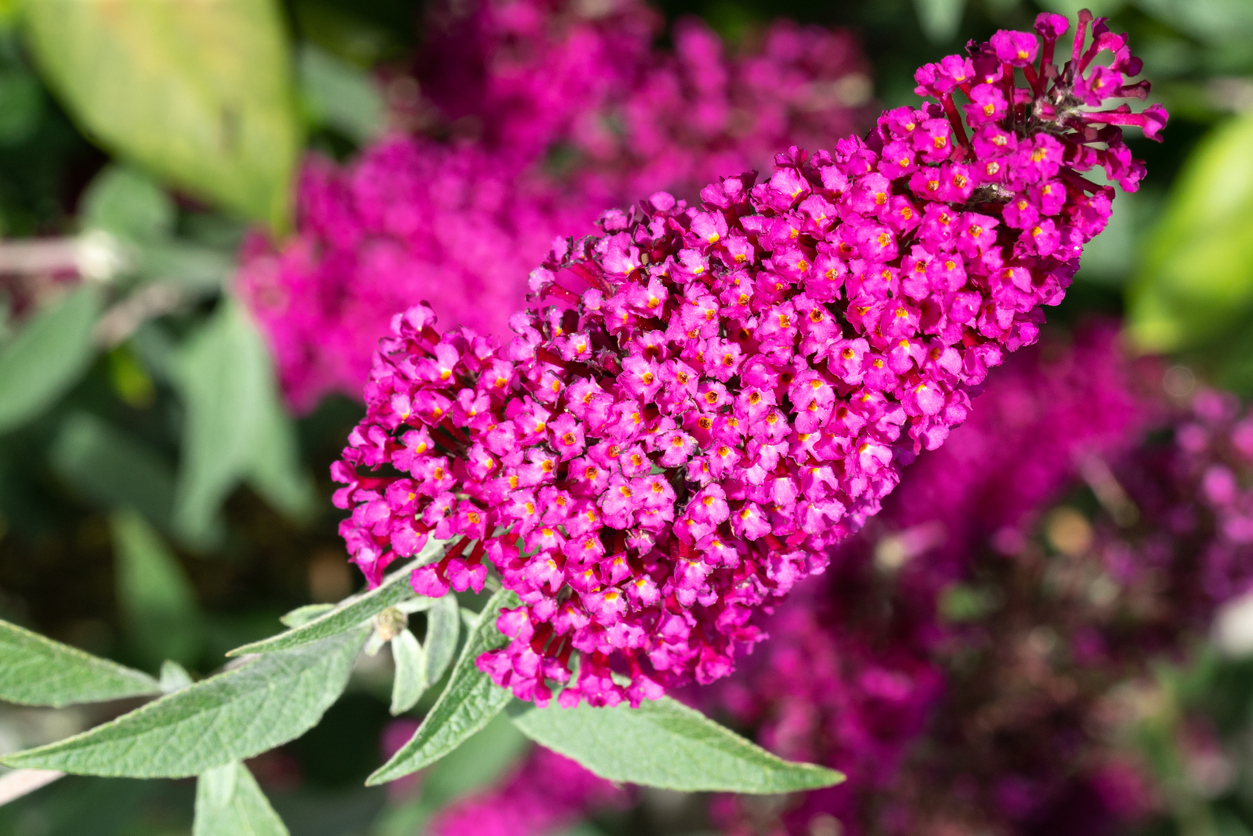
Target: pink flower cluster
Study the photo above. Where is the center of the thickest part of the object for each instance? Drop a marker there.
(546, 794)
(656, 457)
(413, 218)
(459, 212)
(1195, 497)
(851, 674)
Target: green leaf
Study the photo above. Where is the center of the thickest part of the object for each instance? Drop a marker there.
(340, 95)
(174, 677)
(663, 743)
(193, 269)
(352, 611)
(275, 470)
(410, 678)
(128, 204)
(477, 763)
(1210, 21)
(1194, 287)
(940, 19)
(21, 106)
(443, 625)
(481, 761)
(235, 428)
(47, 357)
(467, 704)
(229, 803)
(303, 615)
(231, 716)
(38, 671)
(199, 93)
(157, 602)
(111, 468)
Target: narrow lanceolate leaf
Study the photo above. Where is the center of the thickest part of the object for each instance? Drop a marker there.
(352, 612)
(665, 744)
(228, 717)
(47, 357)
(39, 671)
(468, 704)
(443, 625)
(229, 803)
(214, 76)
(410, 678)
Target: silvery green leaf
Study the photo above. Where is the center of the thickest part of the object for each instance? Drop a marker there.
(155, 596)
(351, 612)
(418, 603)
(231, 716)
(125, 202)
(303, 615)
(47, 356)
(410, 678)
(443, 623)
(665, 744)
(38, 671)
(110, 468)
(235, 427)
(174, 677)
(468, 703)
(229, 803)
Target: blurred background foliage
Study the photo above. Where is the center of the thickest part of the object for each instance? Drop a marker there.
(158, 502)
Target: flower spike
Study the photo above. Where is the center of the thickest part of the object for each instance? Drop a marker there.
(702, 399)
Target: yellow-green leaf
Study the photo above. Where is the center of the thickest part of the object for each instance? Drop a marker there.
(1195, 283)
(199, 93)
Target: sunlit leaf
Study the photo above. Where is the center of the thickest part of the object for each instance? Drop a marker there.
(199, 93)
(1194, 286)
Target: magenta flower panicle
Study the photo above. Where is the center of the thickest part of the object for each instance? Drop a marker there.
(703, 399)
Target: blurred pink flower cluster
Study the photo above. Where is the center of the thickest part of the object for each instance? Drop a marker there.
(545, 794)
(854, 669)
(535, 117)
(1096, 525)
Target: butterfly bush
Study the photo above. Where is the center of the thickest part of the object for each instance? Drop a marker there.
(459, 211)
(713, 395)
